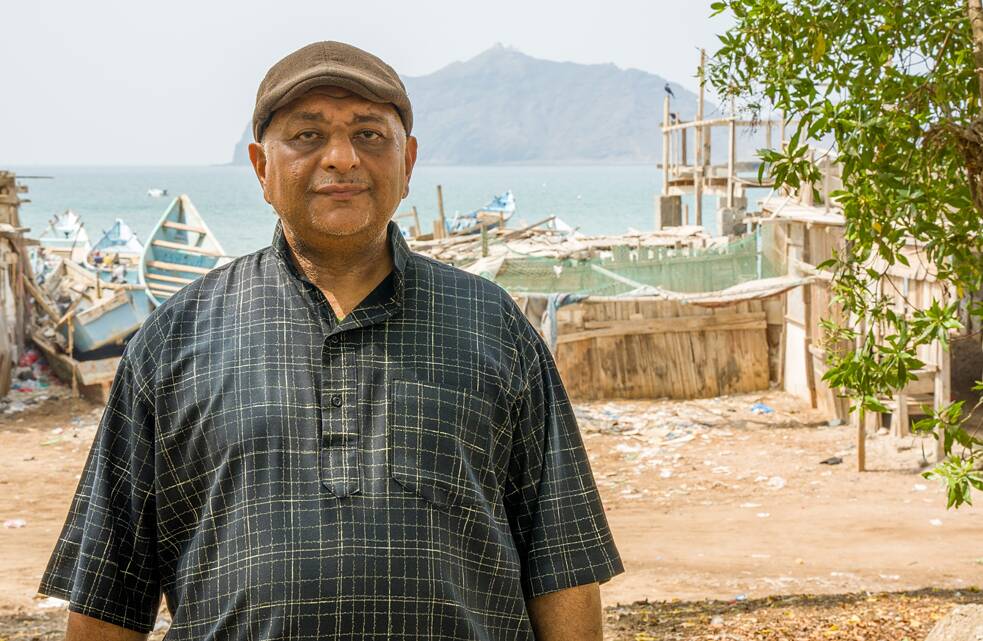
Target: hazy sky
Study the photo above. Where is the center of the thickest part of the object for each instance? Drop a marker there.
(173, 83)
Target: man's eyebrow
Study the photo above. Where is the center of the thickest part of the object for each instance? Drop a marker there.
(362, 119)
(307, 115)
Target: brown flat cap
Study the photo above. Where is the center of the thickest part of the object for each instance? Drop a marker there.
(333, 64)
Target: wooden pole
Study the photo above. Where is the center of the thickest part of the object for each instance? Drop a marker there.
(440, 212)
(665, 146)
(484, 240)
(827, 180)
(942, 388)
(701, 149)
(71, 356)
(683, 160)
(731, 154)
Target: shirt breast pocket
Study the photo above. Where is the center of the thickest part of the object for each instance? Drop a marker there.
(439, 443)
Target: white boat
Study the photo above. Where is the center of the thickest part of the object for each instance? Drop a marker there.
(65, 237)
(119, 241)
(492, 215)
(181, 249)
(155, 192)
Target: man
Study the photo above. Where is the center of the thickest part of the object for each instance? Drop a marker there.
(335, 438)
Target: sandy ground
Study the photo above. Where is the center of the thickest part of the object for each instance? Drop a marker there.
(711, 504)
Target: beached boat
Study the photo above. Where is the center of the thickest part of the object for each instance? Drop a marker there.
(494, 214)
(119, 245)
(116, 256)
(181, 249)
(93, 314)
(65, 237)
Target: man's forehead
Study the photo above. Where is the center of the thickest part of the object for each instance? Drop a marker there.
(317, 98)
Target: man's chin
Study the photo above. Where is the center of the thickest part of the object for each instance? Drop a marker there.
(341, 223)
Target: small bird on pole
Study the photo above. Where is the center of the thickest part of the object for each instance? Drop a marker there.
(669, 91)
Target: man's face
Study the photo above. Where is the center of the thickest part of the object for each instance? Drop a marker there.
(333, 164)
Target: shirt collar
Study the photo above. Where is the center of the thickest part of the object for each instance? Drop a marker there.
(401, 254)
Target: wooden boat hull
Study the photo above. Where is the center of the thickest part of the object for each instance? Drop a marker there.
(110, 323)
(180, 250)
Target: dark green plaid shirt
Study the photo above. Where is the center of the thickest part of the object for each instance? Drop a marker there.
(413, 471)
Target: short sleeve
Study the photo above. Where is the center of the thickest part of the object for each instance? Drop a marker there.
(553, 506)
(104, 563)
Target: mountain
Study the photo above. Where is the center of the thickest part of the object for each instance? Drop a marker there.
(503, 106)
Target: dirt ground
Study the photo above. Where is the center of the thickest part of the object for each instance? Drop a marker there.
(729, 524)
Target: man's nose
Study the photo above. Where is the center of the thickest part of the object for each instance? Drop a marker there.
(339, 155)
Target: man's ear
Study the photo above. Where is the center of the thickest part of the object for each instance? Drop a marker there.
(257, 156)
(410, 161)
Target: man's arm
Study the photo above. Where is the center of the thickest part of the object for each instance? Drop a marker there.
(573, 614)
(83, 628)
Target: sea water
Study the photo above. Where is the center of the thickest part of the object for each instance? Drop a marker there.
(596, 199)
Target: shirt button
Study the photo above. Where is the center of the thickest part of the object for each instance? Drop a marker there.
(336, 401)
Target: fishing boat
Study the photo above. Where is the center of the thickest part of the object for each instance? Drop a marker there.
(65, 237)
(181, 249)
(494, 214)
(119, 247)
(91, 314)
(155, 192)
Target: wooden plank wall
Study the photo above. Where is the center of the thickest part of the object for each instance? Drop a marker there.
(823, 241)
(637, 349)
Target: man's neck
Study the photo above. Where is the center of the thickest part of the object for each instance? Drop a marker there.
(345, 272)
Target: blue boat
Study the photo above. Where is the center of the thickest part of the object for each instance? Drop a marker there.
(116, 256)
(492, 215)
(181, 249)
(98, 314)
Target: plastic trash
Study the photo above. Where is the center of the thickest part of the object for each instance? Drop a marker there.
(52, 603)
(761, 408)
(776, 483)
(833, 460)
(14, 524)
(28, 358)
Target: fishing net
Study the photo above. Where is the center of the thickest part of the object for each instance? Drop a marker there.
(688, 270)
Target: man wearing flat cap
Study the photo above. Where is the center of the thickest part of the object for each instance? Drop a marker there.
(334, 437)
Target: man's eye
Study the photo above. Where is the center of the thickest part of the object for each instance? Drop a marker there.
(307, 136)
(368, 134)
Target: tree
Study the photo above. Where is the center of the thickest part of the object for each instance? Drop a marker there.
(897, 86)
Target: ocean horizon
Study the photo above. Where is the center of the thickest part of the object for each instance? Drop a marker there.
(597, 199)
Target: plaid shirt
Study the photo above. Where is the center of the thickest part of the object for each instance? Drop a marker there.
(412, 471)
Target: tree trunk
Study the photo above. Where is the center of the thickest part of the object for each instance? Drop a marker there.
(975, 10)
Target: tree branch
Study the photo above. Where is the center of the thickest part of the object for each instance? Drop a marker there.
(975, 10)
